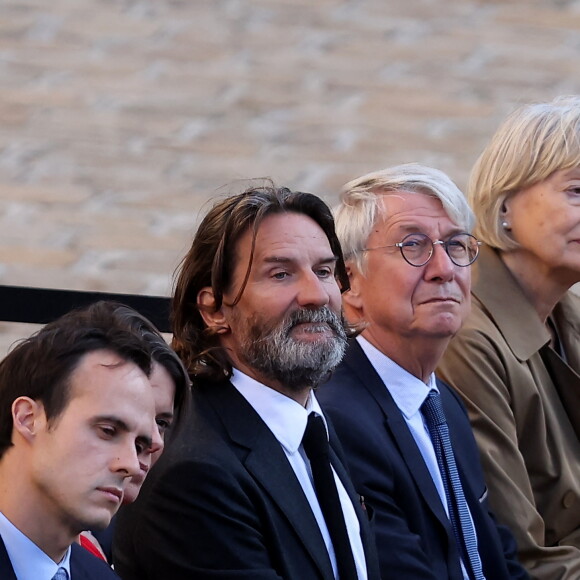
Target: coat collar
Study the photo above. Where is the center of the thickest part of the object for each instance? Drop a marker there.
(514, 315)
(506, 304)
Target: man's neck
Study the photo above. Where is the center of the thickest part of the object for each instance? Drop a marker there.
(419, 357)
(300, 395)
(21, 503)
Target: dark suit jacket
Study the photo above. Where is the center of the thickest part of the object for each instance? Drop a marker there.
(414, 536)
(224, 502)
(83, 565)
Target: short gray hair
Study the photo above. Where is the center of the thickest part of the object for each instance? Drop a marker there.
(534, 142)
(360, 203)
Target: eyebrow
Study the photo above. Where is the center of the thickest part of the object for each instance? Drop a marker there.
(572, 174)
(123, 426)
(286, 260)
(413, 229)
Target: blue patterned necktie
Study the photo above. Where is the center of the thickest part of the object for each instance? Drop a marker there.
(61, 574)
(432, 410)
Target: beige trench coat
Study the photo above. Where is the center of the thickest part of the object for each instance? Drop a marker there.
(526, 421)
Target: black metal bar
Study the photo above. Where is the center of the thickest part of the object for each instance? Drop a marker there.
(42, 305)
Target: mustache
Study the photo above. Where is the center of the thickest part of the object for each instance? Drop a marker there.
(320, 315)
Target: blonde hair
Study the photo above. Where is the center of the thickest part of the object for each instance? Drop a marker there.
(534, 142)
(360, 203)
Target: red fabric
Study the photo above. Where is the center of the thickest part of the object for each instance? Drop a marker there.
(88, 545)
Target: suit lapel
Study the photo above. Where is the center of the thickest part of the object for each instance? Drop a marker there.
(265, 459)
(78, 563)
(367, 539)
(344, 477)
(5, 564)
(370, 380)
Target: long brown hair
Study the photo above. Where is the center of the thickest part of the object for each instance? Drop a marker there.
(210, 262)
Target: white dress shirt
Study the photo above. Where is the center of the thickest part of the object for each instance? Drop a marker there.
(287, 420)
(28, 560)
(409, 393)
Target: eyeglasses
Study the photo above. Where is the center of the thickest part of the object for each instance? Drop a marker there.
(417, 249)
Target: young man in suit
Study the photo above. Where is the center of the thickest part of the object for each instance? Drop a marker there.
(76, 411)
(257, 321)
(408, 442)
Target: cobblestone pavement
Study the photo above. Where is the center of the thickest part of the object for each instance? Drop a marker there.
(120, 119)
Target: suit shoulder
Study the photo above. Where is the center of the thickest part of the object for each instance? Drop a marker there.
(449, 393)
(92, 567)
(342, 392)
(343, 380)
(455, 410)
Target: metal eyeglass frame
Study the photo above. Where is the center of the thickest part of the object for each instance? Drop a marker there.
(401, 245)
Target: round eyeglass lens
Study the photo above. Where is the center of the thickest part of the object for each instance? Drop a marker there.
(462, 249)
(416, 249)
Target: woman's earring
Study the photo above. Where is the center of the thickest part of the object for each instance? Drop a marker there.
(505, 226)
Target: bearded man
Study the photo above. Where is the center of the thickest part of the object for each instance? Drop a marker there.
(257, 321)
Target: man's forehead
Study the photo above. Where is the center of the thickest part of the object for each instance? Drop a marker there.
(406, 200)
(407, 208)
(100, 371)
(279, 235)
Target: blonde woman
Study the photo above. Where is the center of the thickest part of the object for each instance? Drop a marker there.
(516, 360)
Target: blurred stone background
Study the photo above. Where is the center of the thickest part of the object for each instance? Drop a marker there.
(120, 119)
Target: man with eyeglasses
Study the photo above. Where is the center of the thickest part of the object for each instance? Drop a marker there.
(408, 441)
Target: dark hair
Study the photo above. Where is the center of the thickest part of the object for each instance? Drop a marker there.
(161, 353)
(40, 366)
(210, 262)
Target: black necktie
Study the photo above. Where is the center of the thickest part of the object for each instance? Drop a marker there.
(432, 410)
(315, 443)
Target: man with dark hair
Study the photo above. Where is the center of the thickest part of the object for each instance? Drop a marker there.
(76, 410)
(171, 391)
(242, 493)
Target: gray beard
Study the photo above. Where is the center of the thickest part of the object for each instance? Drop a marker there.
(292, 363)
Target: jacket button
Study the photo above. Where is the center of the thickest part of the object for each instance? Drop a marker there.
(569, 499)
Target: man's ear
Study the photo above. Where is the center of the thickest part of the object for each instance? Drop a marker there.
(28, 417)
(213, 318)
(352, 297)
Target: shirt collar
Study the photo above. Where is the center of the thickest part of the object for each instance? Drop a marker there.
(27, 559)
(285, 417)
(408, 392)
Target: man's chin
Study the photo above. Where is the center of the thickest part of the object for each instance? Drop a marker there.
(98, 522)
(444, 329)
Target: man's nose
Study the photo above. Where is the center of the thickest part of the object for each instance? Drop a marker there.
(440, 266)
(127, 460)
(313, 291)
(157, 441)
